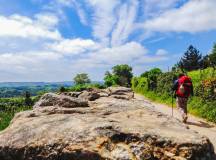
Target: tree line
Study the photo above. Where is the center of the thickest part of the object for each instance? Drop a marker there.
(122, 74)
(193, 60)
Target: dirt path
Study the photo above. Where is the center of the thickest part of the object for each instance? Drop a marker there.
(200, 125)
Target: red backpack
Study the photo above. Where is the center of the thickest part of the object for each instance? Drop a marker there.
(184, 87)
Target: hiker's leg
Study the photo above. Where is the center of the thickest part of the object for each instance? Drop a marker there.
(184, 105)
(180, 106)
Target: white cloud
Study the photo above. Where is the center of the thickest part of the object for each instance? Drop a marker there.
(109, 56)
(28, 57)
(35, 66)
(126, 53)
(47, 20)
(74, 5)
(20, 26)
(25, 63)
(65, 2)
(73, 46)
(125, 25)
(161, 52)
(103, 18)
(82, 15)
(194, 16)
(151, 59)
(152, 8)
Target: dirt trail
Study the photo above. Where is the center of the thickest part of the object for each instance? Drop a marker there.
(198, 124)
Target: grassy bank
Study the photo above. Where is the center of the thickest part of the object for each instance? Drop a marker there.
(203, 104)
(9, 107)
(7, 116)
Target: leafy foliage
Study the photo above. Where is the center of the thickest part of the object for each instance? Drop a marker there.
(152, 76)
(121, 75)
(28, 100)
(81, 78)
(152, 73)
(165, 82)
(62, 89)
(207, 89)
(10, 106)
(110, 79)
(81, 87)
(202, 104)
(212, 56)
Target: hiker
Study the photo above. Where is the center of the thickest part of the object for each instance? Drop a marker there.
(183, 88)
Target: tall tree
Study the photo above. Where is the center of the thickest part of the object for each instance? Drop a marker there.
(124, 73)
(121, 75)
(28, 100)
(62, 89)
(191, 60)
(81, 78)
(212, 56)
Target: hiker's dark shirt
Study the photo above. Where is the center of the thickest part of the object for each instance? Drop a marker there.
(175, 85)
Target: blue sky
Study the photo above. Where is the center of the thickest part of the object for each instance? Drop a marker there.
(53, 40)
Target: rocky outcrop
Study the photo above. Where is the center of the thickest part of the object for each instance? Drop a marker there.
(72, 94)
(90, 96)
(51, 99)
(120, 92)
(109, 129)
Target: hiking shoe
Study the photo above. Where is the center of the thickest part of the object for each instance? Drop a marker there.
(185, 119)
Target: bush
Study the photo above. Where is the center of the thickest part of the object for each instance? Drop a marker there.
(82, 78)
(121, 75)
(207, 89)
(82, 87)
(202, 104)
(110, 79)
(165, 82)
(152, 77)
(10, 106)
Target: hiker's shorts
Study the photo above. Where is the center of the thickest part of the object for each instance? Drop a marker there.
(182, 106)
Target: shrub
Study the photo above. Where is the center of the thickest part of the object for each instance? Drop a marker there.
(62, 89)
(81, 87)
(10, 106)
(202, 104)
(81, 78)
(207, 89)
(121, 75)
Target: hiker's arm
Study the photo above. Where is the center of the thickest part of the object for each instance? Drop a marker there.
(175, 86)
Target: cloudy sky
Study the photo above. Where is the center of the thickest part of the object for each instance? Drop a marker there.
(52, 40)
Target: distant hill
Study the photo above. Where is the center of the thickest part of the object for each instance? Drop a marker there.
(26, 84)
(14, 89)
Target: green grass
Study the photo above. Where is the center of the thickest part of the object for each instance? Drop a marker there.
(197, 105)
(7, 116)
(9, 107)
(81, 87)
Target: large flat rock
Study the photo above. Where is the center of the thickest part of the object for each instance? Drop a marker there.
(110, 128)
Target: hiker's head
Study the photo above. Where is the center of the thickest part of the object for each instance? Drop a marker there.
(181, 75)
